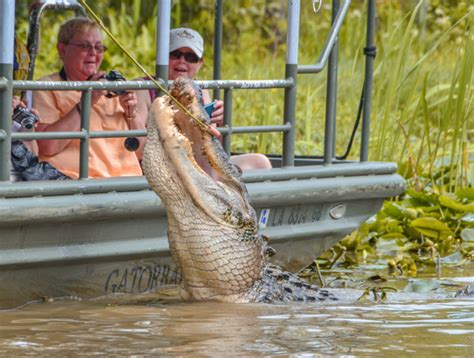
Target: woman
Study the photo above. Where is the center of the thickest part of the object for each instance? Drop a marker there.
(185, 60)
(81, 50)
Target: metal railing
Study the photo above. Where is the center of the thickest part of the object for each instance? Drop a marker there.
(288, 84)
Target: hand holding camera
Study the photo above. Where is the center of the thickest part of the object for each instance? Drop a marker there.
(26, 118)
(114, 75)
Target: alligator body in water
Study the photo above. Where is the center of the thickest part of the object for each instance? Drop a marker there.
(212, 228)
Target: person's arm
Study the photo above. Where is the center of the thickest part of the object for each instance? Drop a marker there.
(71, 121)
(143, 106)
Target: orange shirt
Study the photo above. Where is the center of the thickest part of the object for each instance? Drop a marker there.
(107, 156)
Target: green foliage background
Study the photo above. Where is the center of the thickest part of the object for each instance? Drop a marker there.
(422, 115)
(422, 100)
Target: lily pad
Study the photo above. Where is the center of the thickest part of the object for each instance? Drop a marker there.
(431, 227)
(468, 235)
(421, 198)
(394, 210)
(422, 285)
(455, 259)
(469, 217)
(465, 193)
(455, 205)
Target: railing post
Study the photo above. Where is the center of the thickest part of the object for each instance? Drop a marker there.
(331, 98)
(163, 20)
(369, 72)
(217, 45)
(7, 33)
(291, 70)
(85, 127)
(227, 119)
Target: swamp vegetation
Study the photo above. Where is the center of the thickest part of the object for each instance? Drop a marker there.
(422, 107)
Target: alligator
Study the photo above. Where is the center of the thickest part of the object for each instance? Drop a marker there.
(212, 228)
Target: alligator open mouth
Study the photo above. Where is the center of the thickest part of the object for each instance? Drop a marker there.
(212, 228)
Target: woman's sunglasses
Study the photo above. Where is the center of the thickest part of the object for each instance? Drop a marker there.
(190, 57)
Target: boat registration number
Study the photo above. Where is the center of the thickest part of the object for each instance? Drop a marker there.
(292, 215)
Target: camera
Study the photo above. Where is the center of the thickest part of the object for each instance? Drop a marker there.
(209, 108)
(25, 117)
(115, 76)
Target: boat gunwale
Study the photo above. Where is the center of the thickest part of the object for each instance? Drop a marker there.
(138, 183)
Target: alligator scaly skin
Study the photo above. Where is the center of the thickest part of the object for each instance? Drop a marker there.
(212, 228)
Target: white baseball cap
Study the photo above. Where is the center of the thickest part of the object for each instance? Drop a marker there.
(185, 37)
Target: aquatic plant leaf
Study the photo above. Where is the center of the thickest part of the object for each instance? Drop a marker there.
(455, 259)
(394, 210)
(427, 209)
(431, 227)
(453, 204)
(408, 170)
(420, 197)
(465, 193)
(392, 235)
(468, 235)
(469, 217)
(422, 285)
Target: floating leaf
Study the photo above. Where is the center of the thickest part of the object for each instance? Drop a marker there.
(465, 193)
(455, 259)
(468, 235)
(424, 198)
(422, 286)
(453, 204)
(427, 209)
(431, 227)
(392, 235)
(468, 218)
(394, 210)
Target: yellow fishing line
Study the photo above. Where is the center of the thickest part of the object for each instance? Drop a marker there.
(134, 60)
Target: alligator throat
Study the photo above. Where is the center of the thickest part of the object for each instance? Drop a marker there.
(212, 228)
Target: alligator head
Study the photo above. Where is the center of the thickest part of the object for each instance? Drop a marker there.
(212, 229)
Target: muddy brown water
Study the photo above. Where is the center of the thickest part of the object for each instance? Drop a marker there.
(427, 328)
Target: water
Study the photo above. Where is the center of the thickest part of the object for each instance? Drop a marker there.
(73, 328)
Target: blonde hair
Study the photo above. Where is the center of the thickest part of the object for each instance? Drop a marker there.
(73, 26)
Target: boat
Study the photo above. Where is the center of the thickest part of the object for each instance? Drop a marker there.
(92, 237)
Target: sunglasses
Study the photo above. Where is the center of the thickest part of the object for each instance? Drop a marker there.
(190, 57)
(88, 47)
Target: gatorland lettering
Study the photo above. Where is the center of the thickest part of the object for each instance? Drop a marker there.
(140, 279)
